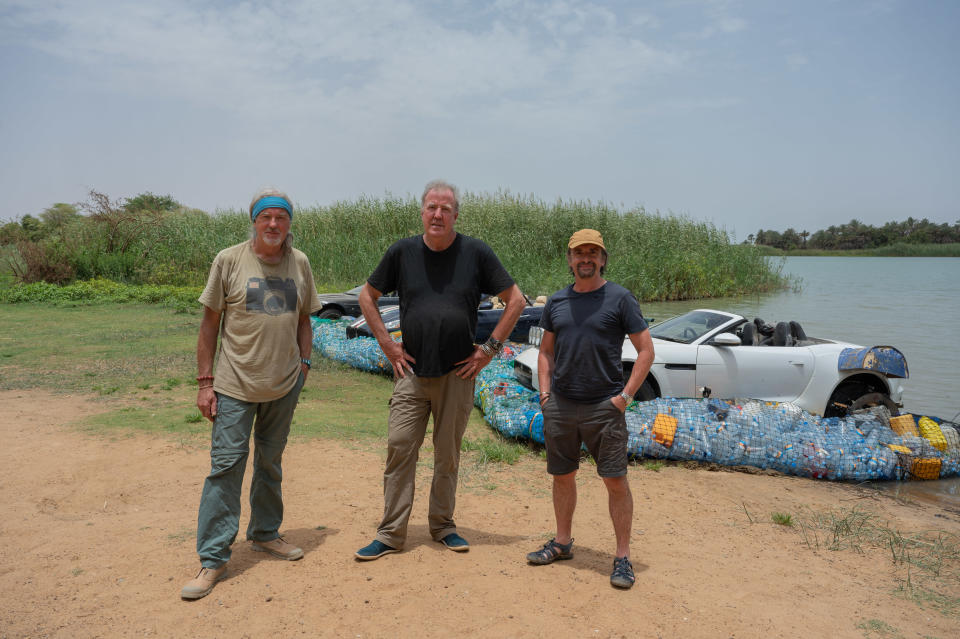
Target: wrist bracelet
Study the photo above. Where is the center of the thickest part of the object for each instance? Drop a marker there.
(494, 344)
(200, 378)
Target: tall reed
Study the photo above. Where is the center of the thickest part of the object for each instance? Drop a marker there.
(658, 257)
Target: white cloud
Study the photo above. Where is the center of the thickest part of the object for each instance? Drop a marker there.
(285, 58)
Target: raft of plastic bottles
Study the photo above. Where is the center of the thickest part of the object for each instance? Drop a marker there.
(869, 445)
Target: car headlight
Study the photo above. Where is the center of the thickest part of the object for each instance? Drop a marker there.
(535, 335)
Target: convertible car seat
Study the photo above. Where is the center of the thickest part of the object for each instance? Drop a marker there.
(797, 333)
(763, 329)
(781, 335)
(748, 334)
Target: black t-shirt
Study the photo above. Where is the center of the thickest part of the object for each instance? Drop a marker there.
(589, 330)
(439, 293)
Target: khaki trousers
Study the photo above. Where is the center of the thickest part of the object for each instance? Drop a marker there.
(449, 399)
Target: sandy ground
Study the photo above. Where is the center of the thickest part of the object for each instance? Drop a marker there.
(98, 537)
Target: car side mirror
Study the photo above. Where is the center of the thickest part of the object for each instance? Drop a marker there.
(725, 339)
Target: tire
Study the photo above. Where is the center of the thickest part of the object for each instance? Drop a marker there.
(851, 396)
(330, 313)
(875, 399)
(646, 392)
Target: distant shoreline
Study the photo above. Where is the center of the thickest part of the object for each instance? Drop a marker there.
(891, 250)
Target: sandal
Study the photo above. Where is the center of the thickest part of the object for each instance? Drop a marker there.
(622, 576)
(550, 552)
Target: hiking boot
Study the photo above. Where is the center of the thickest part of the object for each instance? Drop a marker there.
(551, 552)
(203, 583)
(279, 548)
(374, 550)
(622, 576)
(455, 542)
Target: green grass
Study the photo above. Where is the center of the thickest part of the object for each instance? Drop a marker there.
(878, 629)
(495, 449)
(783, 519)
(141, 359)
(104, 350)
(98, 292)
(927, 563)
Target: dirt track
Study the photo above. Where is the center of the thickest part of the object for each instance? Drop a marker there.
(98, 537)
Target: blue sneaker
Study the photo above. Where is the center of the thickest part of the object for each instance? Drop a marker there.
(374, 550)
(455, 542)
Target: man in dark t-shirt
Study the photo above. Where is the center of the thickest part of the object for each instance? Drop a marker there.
(583, 397)
(439, 277)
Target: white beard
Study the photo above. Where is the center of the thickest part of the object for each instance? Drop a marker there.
(273, 241)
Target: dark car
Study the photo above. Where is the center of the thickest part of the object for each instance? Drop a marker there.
(487, 318)
(336, 305)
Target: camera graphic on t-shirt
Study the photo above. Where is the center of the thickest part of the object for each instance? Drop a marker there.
(271, 295)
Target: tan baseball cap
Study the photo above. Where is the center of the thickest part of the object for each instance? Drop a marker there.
(586, 236)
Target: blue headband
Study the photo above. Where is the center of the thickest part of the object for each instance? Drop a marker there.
(270, 202)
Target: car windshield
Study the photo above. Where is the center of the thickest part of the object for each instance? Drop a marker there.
(688, 327)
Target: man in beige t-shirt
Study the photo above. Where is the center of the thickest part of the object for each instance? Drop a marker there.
(258, 300)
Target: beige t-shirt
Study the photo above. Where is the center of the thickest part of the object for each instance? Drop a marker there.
(259, 359)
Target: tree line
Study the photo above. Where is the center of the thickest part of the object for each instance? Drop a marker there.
(857, 235)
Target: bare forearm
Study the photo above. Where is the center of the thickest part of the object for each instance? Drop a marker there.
(305, 337)
(635, 381)
(645, 354)
(368, 306)
(514, 306)
(545, 362)
(207, 341)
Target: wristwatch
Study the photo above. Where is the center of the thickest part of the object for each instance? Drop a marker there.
(626, 398)
(305, 361)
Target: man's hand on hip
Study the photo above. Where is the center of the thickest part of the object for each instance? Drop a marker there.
(398, 358)
(474, 364)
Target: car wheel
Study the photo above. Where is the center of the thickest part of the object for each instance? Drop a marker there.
(646, 392)
(330, 313)
(875, 399)
(852, 396)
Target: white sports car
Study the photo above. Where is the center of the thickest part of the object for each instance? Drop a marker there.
(708, 353)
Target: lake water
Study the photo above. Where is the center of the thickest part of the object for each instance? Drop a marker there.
(910, 303)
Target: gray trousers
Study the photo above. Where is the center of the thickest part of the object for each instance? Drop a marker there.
(449, 399)
(219, 518)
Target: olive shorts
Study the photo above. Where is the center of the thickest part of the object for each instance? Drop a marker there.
(600, 426)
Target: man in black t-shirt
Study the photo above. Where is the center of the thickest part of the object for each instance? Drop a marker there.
(439, 277)
(583, 397)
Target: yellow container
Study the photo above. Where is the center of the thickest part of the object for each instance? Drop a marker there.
(950, 434)
(928, 468)
(904, 425)
(931, 430)
(664, 428)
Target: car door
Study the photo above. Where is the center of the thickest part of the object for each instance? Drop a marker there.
(775, 373)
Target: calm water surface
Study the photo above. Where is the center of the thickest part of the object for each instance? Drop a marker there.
(910, 303)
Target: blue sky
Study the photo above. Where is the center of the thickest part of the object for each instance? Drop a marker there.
(747, 114)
